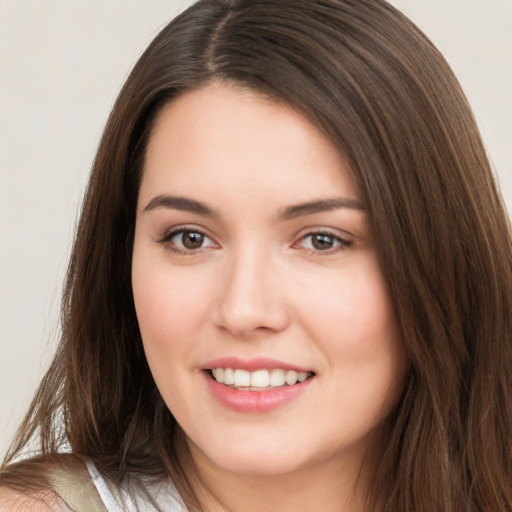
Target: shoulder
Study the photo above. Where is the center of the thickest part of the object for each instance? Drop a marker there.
(36, 501)
(28, 485)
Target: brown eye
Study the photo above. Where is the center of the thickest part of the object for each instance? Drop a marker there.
(320, 242)
(187, 241)
(192, 239)
(323, 242)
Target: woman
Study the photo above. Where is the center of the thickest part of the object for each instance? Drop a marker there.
(291, 280)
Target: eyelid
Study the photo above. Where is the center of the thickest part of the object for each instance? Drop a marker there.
(176, 230)
(345, 240)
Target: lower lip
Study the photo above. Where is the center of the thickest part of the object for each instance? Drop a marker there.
(254, 401)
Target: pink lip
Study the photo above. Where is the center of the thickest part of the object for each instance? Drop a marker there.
(251, 365)
(253, 401)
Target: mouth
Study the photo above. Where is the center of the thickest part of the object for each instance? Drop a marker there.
(257, 385)
(258, 380)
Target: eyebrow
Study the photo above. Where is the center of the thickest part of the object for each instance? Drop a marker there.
(321, 205)
(180, 203)
(288, 213)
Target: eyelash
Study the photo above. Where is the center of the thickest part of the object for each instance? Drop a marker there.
(169, 235)
(340, 244)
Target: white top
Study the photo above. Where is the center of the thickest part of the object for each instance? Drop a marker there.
(165, 496)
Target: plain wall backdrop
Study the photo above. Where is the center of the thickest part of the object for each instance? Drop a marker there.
(62, 63)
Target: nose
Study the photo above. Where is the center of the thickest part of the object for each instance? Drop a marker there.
(252, 296)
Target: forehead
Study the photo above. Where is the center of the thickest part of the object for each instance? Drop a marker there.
(223, 136)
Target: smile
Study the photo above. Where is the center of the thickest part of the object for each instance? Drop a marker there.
(258, 380)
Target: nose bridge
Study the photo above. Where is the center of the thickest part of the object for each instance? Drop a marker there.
(251, 295)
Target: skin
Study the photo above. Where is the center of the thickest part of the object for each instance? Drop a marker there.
(43, 501)
(258, 286)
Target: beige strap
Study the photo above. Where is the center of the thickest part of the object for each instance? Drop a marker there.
(77, 489)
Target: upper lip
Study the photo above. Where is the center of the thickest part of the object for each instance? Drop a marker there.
(253, 364)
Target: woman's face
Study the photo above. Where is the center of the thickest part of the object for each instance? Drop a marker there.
(264, 313)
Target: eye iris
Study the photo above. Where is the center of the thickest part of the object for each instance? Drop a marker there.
(192, 239)
(322, 242)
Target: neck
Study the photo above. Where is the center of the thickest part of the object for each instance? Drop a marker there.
(330, 486)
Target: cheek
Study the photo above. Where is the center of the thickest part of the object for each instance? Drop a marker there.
(353, 312)
(168, 304)
(169, 321)
(354, 324)
(158, 309)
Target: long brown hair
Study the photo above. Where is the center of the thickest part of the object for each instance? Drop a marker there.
(377, 87)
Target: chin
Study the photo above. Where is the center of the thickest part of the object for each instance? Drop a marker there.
(250, 458)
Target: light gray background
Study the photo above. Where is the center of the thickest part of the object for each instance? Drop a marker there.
(62, 63)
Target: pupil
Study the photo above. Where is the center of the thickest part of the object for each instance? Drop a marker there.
(192, 240)
(322, 242)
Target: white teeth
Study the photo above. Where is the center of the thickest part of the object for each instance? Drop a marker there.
(277, 378)
(229, 376)
(259, 379)
(242, 378)
(218, 373)
(301, 376)
(291, 377)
